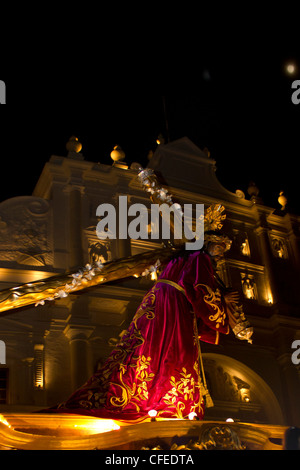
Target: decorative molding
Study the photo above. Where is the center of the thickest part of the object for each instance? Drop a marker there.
(25, 231)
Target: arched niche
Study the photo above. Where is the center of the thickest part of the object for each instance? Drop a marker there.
(238, 392)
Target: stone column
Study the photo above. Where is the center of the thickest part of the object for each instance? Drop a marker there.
(60, 232)
(262, 233)
(80, 357)
(294, 238)
(74, 226)
(291, 390)
(27, 395)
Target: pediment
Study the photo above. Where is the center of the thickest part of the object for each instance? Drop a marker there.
(181, 164)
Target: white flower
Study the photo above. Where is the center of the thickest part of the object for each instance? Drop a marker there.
(61, 293)
(68, 287)
(99, 265)
(77, 275)
(90, 275)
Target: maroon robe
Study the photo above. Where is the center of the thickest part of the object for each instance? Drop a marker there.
(156, 364)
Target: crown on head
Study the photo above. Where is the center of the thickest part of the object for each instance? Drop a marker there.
(213, 223)
(213, 217)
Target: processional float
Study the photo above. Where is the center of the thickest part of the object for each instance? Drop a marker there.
(94, 274)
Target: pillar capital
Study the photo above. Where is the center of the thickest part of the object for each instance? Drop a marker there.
(78, 331)
(74, 185)
(261, 229)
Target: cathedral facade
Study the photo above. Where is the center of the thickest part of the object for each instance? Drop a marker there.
(47, 351)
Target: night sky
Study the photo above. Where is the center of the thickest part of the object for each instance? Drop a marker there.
(241, 110)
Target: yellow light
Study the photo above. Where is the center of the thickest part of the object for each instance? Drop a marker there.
(245, 394)
(98, 426)
(229, 420)
(270, 298)
(3, 421)
(192, 415)
(39, 365)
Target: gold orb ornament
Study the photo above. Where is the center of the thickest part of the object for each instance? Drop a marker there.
(117, 154)
(73, 145)
(282, 200)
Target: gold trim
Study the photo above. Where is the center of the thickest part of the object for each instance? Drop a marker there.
(217, 337)
(213, 299)
(174, 284)
(205, 392)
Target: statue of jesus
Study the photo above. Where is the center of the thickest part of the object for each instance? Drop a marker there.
(156, 368)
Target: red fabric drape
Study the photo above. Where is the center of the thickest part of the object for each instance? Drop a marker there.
(155, 366)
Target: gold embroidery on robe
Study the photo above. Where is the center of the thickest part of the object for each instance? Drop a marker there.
(184, 388)
(131, 340)
(147, 306)
(139, 389)
(213, 299)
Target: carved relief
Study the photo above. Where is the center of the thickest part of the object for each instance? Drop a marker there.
(226, 385)
(279, 248)
(220, 382)
(249, 286)
(99, 252)
(24, 231)
(220, 438)
(243, 388)
(214, 437)
(242, 242)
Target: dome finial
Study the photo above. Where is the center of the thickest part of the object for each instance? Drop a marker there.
(74, 147)
(282, 200)
(118, 156)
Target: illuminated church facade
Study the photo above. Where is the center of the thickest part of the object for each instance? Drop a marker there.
(51, 349)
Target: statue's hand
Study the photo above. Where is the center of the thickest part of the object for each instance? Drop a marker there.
(232, 297)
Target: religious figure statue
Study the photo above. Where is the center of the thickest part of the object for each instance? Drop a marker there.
(249, 288)
(156, 367)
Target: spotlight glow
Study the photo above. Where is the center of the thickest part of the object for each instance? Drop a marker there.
(3, 421)
(98, 426)
(290, 68)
